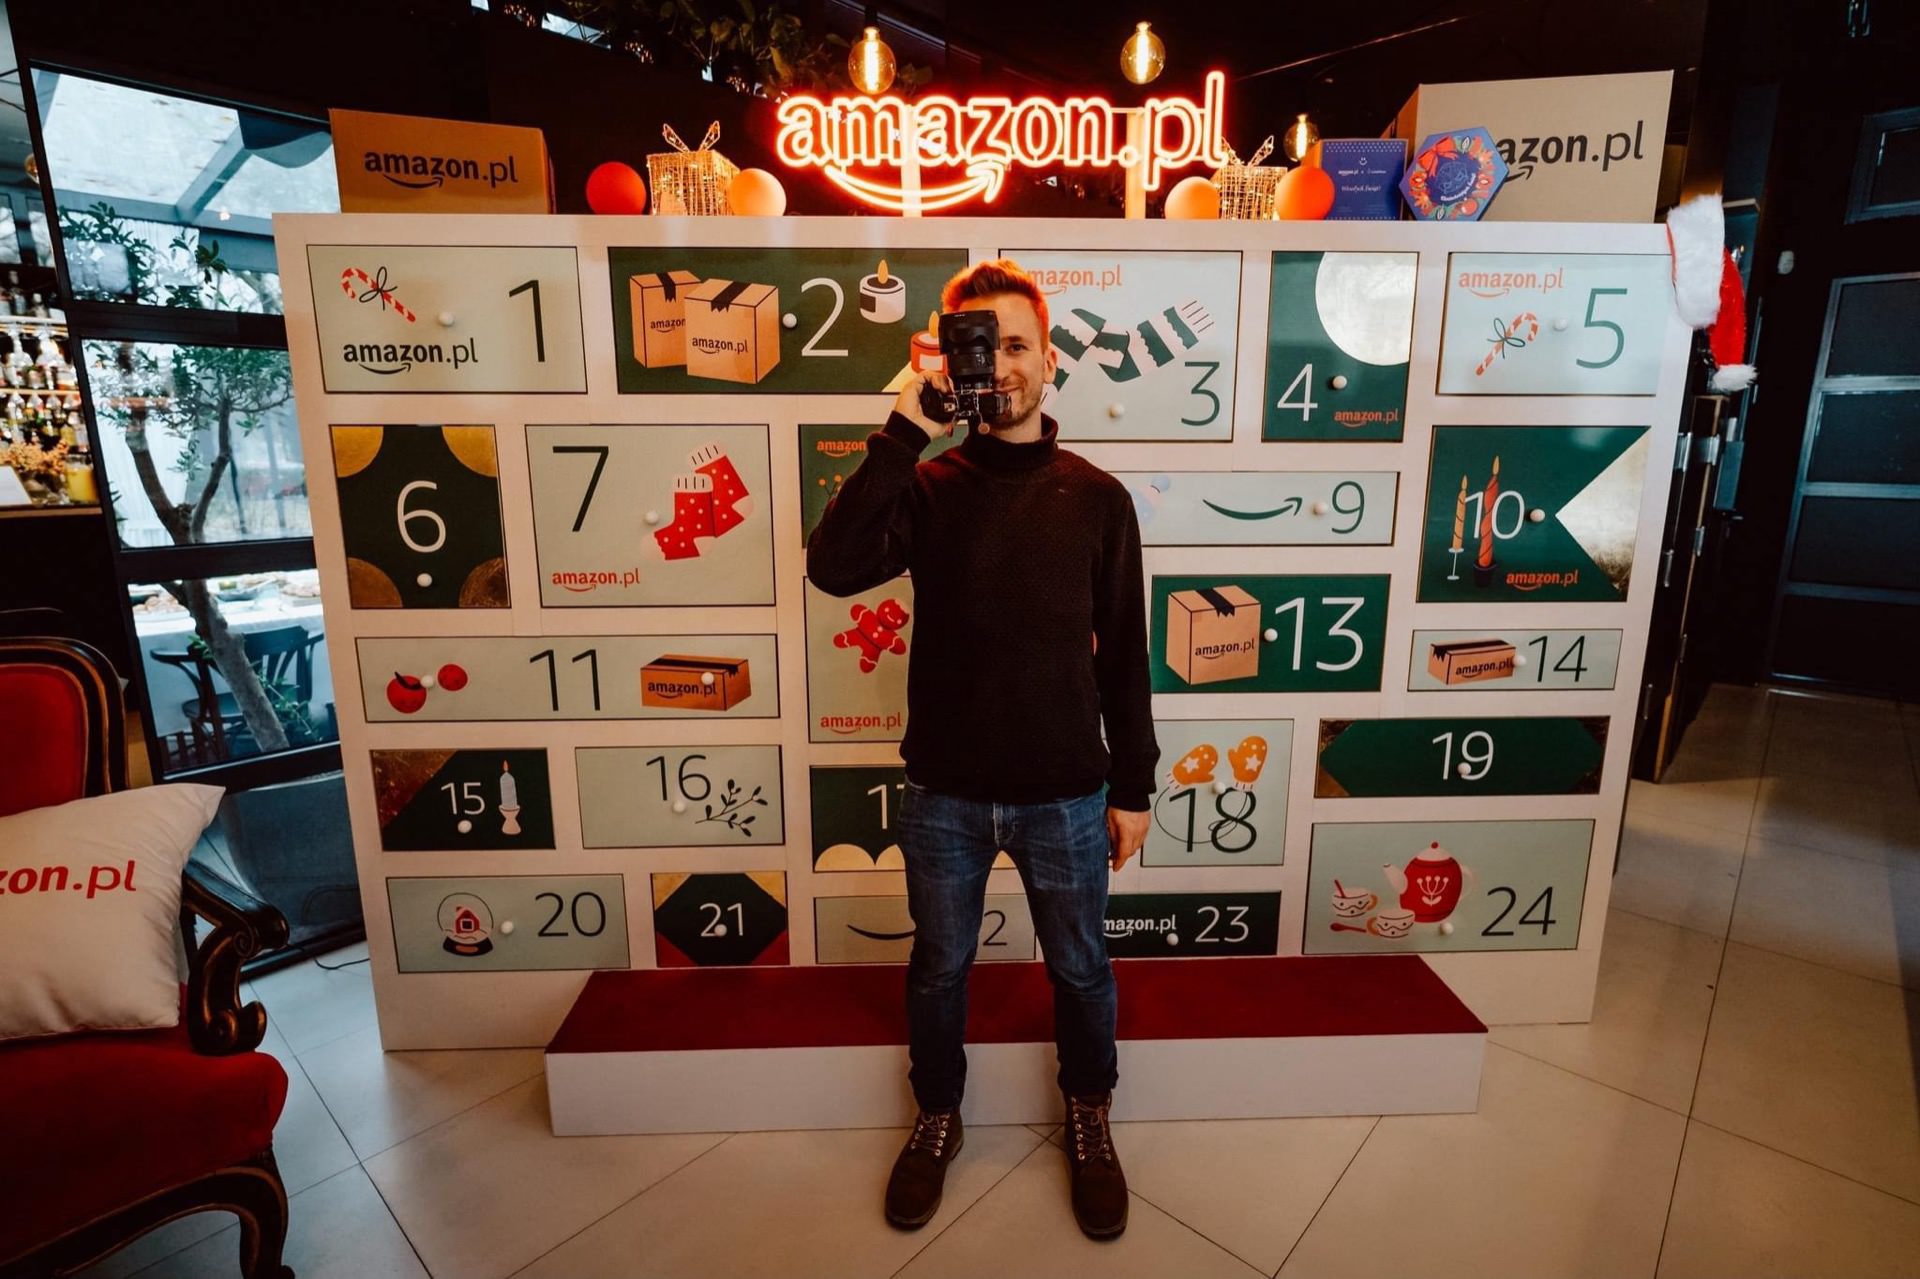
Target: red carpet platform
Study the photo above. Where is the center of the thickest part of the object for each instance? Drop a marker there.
(753, 1049)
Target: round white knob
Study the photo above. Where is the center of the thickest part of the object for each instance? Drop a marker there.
(1219, 788)
(719, 930)
(428, 681)
(1464, 769)
(446, 319)
(465, 827)
(706, 678)
(1173, 939)
(1319, 508)
(679, 805)
(1116, 410)
(1519, 659)
(1338, 382)
(651, 517)
(1270, 635)
(1536, 515)
(425, 579)
(1559, 324)
(1446, 928)
(506, 927)
(789, 321)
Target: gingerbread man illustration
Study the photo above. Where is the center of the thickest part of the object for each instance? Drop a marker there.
(874, 631)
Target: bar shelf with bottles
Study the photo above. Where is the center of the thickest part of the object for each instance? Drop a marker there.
(43, 434)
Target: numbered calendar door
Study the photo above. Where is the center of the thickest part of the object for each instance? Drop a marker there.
(1179, 925)
(1446, 886)
(706, 921)
(1145, 342)
(652, 515)
(856, 817)
(680, 796)
(498, 798)
(1339, 342)
(1516, 661)
(879, 930)
(1531, 513)
(1223, 799)
(770, 321)
(1555, 323)
(398, 318)
(1544, 755)
(1261, 634)
(420, 516)
(1263, 508)
(511, 923)
(831, 453)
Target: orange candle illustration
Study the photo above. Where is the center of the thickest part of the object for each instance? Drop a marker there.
(1483, 564)
(1459, 531)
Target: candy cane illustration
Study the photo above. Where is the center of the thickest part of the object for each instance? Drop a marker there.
(376, 287)
(1508, 335)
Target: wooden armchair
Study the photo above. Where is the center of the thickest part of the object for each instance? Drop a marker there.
(110, 1134)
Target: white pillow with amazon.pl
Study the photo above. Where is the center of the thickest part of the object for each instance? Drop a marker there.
(90, 910)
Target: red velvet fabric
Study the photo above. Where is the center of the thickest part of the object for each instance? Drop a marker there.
(92, 1123)
(43, 707)
(656, 1010)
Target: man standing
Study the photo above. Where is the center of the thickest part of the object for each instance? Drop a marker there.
(1030, 629)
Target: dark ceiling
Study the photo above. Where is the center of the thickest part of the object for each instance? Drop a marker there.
(1352, 82)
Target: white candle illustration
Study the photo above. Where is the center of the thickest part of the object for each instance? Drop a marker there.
(509, 791)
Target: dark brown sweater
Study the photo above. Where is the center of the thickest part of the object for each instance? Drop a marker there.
(1029, 620)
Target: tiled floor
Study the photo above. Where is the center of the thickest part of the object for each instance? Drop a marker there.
(1743, 1103)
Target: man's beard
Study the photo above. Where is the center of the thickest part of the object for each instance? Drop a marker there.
(1019, 409)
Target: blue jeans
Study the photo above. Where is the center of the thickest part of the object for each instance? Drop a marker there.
(1061, 851)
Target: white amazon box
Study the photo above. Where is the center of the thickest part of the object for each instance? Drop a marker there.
(1578, 148)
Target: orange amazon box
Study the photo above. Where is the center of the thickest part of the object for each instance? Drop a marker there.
(733, 330)
(416, 164)
(660, 316)
(690, 683)
(1470, 661)
(1213, 634)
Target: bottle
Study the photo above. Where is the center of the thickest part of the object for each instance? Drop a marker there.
(81, 488)
(37, 307)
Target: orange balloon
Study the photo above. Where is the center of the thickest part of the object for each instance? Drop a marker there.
(755, 193)
(614, 187)
(1305, 194)
(1193, 198)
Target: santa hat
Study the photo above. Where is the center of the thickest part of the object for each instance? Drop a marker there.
(1706, 286)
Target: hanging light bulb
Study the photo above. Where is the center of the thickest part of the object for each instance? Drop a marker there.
(870, 63)
(1143, 56)
(1300, 138)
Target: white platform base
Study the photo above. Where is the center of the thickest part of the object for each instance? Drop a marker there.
(766, 1089)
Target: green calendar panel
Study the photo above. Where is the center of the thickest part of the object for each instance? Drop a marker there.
(856, 815)
(689, 321)
(1488, 755)
(1267, 634)
(420, 516)
(831, 453)
(1339, 339)
(460, 799)
(1381, 887)
(1536, 513)
(508, 923)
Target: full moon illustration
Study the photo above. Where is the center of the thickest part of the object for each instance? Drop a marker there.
(1365, 302)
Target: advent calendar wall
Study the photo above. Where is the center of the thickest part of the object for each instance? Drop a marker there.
(1400, 487)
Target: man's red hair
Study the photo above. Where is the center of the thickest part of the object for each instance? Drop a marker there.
(987, 279)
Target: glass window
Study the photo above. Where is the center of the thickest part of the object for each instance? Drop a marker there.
(169, 201)
(199, 443)
(9, 235)
(235, 666)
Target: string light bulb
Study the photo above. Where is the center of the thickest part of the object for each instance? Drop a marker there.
(1143, 56)
(870, 63)
(1300, 138)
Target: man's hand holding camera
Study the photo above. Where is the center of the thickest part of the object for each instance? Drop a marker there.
(910, 407)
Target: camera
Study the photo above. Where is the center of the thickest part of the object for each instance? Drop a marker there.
(969, 343)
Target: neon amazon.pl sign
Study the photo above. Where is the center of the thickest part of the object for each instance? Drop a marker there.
(987, 136)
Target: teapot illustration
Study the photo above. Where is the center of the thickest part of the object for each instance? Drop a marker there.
(1431, 884)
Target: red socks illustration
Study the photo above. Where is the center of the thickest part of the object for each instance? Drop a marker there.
(708, 503)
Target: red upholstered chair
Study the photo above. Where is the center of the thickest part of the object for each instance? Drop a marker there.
(104, 1136)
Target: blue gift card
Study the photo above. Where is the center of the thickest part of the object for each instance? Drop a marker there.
(1366, 178)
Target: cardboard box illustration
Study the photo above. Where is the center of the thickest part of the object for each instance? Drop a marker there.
(689, 683)
(733, 330)
(1470, 661)
(660, 316)
(1213, 634)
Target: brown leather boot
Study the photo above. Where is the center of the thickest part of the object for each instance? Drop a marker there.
(920, 1173)
(1099, 1187)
